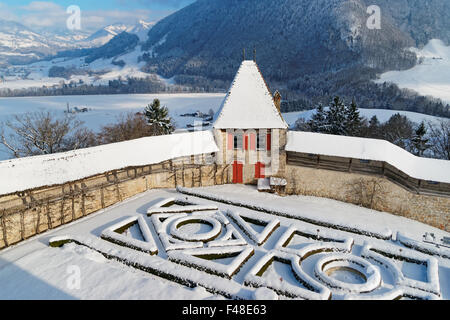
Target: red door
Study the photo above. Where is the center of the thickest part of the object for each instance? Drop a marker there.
(238, 172)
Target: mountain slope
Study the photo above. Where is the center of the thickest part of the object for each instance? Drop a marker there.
(310, 50)
(293, 37)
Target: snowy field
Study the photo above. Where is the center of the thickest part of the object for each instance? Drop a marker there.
(106, 108)
(431, 77)
(229, 242)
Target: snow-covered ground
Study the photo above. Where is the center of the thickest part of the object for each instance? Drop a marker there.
(34, 270)
(431, 76)
(106, 108)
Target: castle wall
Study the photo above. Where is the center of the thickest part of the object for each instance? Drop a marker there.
(372, 184)
(371, 191)
(25, 214)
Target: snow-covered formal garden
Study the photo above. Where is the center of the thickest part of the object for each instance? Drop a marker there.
(230, 242)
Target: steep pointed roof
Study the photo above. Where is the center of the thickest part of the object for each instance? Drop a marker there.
(249, 103)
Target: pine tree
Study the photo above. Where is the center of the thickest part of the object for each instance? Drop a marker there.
(374, 122)
(318, 120)
(336, 118)
(158, 118)
(373, 129)
(419, 142)
(353, 120)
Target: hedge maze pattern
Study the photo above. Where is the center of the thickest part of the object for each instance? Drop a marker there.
(235, 252)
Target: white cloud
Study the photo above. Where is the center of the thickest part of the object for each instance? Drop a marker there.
(49, 15)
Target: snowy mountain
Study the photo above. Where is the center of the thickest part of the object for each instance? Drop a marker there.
(431, 76)
(107, 33)
(19, 44)
(311, 50)
(108, 54)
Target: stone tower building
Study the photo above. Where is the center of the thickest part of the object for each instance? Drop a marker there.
(249, 128)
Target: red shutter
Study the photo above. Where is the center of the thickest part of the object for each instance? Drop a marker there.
(269, 142)
(246, 142)
(230, 141)
(259, 170)
(252, 141)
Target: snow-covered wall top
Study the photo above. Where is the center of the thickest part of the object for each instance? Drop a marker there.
(369, 149)
(33, 172)
(249, 103)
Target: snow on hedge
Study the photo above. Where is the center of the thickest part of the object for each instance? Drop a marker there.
(204, 259)
(160, 267)
(176, 232)
(370, 272)
(327, 240)
(313, 290)
(54, 169)
(369, 149)
(181, 209)
(423, 247)
(161, 222)
(243, 220)
(383, 255)
(333, 222)
(222, 233)
(114, 235)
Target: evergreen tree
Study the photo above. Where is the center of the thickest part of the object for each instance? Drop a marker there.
(353, 120)
(158, 118)
(318, 120)
(336, 118)
(373, 128)
(374, 122)
(419, 141)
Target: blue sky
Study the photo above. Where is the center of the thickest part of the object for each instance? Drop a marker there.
(95, 14)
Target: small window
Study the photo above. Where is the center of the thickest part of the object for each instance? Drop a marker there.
(261, 141)
(364, 161)
(433, 182)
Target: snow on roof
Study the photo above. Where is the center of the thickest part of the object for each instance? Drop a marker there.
(249, 103)
(369, 149)
(33, 172)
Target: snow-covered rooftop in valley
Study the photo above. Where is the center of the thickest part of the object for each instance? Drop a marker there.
(33, 172)
(369, 149)
(249, 103)
(229, 251)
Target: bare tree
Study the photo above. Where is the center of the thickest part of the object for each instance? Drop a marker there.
(128, 127)
(369, 193)
(440, 139)
(42, 133)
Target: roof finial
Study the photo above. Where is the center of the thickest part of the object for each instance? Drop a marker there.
(243, 54)
(254, 54)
